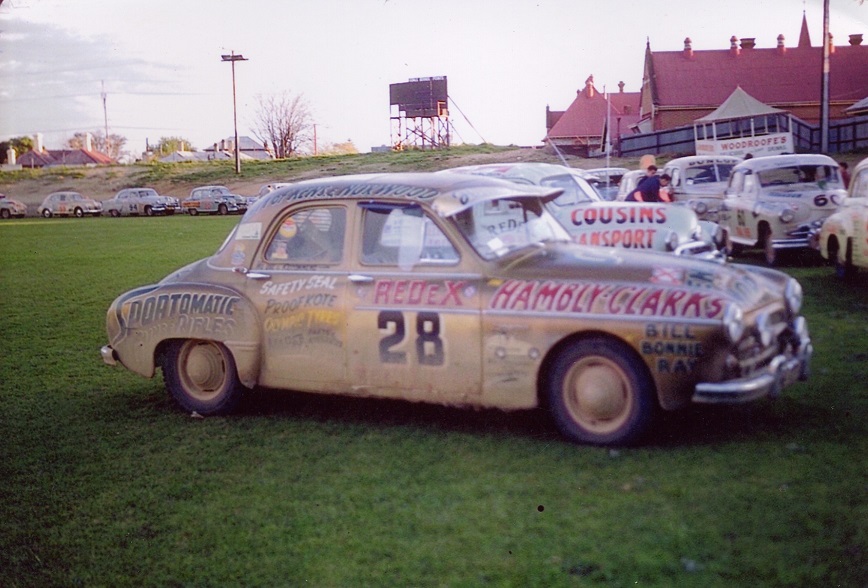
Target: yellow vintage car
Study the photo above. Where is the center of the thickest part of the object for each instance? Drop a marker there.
(458, 290)
(843, 238)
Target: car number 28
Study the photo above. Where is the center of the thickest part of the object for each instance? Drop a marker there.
(429, 345)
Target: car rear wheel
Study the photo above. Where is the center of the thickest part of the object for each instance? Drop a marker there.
(193, 211)
(201, 376)
(114, 213)
(4, 213)
(78, 212)
(222, 210)
(599, 392)
(46, 213)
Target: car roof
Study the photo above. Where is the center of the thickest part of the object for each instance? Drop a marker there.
(776, 161)
(697, 159)
(530, 171)
(446, 192)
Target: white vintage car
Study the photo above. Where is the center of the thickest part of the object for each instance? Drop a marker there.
(69, 203)
(843, 238)
(775, 202)
(699, 182)
(10, 208)
(214, 200)
(594, 221)
(140, 201)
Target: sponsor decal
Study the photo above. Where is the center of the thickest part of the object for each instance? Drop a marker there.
(626, 238)
(249, 231)
(351, 191)
(667, 275)
(182, 312)
(421, 292)
(612, 299)
(270, 288)
(619, 215)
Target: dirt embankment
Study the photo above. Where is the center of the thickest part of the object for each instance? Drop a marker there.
(103, 182)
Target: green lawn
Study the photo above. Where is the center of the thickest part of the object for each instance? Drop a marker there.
(103, 482)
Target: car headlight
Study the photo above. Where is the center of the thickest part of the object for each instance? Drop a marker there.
(787, 215)
(733, 323)
(671, 241)
(764, 329)
(700, 207)
(793, 296)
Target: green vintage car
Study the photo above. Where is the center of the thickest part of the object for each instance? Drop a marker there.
(464, 291)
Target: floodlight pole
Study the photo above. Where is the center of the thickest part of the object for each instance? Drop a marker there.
(232, 58)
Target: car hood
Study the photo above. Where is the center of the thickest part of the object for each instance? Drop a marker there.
(750, 287)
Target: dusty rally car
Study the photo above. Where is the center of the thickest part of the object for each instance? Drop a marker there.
(140, 201)
(698, 181)
(776, 202)
(458, 290)
(214, 200)
(68, 203)
(11, 208)
(594, 221)
(843, 237)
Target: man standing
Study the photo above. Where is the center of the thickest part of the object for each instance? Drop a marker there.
(648, 188)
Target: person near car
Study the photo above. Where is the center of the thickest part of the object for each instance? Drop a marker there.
(845, 173)
(649, 188)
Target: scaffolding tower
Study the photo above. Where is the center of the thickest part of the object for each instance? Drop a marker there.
(419, 114)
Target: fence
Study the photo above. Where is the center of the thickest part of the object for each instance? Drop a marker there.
(845, 135)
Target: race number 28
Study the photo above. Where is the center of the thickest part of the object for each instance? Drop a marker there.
(429, 345)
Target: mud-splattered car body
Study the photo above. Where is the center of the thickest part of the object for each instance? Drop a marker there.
(459, 290)
(843, 237)
(10, 208)
(699, 181)
(140, 202)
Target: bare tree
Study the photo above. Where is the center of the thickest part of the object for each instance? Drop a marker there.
(283, 122)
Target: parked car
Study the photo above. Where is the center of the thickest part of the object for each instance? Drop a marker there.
(628, 183)
(140, 201)
(775, 202)
(11, 208)
(69, 204)
(699, 181)
(606, 180)
(459, 290)
(843, 237)
(594, 221)
(269, 188)
(214, 200)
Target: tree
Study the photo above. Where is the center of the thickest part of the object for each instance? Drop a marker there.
(345, 148)
(19, 144)
(168, 145)
(112, 147)
(283, 122)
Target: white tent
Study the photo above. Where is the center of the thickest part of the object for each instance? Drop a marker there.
(740, 104)
(743, 125)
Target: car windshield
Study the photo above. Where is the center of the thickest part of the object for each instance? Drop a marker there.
(497, 227)
(146, 193)
(708, 173)
(798, 174)
(576, 190)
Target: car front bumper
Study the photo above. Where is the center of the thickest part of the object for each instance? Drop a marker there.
(782, 371)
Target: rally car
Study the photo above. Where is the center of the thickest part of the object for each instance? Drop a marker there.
(843, 237)
(458, 290)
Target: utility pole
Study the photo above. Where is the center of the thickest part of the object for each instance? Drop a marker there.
(105, 119)
(824, 98)
(232, 58)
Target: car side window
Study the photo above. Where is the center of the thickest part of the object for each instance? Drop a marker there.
(403, 236)
(309, 236)
(859, 188)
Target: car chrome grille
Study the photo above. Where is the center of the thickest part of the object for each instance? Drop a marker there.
(751, 354)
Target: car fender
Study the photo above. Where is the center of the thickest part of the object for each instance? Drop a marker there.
(140, 321)
(841, 226)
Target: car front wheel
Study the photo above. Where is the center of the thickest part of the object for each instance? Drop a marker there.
(78, 212)
(193, 211)
(201, 376)
(599, 392)
(222, 210)
(770, 254)
(114, 213)
(46, 213)
(4, 213)
(149, 211)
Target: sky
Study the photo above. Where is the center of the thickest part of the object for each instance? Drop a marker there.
(157, 62)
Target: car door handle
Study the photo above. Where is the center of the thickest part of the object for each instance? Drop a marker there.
(257, 276)
(360, 279)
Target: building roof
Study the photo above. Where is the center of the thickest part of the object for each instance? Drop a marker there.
(50, 157)
(586, 116)
(776, 76)
(740, 104)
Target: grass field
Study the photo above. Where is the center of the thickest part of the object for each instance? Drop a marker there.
(104, 483)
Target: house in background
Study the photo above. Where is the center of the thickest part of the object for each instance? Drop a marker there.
(580, 129)
(248, 147)
(41, 157)
(679, 87)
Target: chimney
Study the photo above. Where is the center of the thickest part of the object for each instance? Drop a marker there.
(621, 87)
(589, 86)
(733, 46)
(781, 47)
(88, 142)
(38, 145)
(748, 43)
(688, 48)
(856, 40)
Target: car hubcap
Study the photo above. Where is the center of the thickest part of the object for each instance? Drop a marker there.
(597, 394)
(203, 370)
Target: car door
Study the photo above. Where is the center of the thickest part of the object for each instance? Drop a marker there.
(299, 288)
(857, 204)
(414, 313)
(741, 201)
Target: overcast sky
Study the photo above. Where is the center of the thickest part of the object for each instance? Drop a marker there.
(158, 61)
